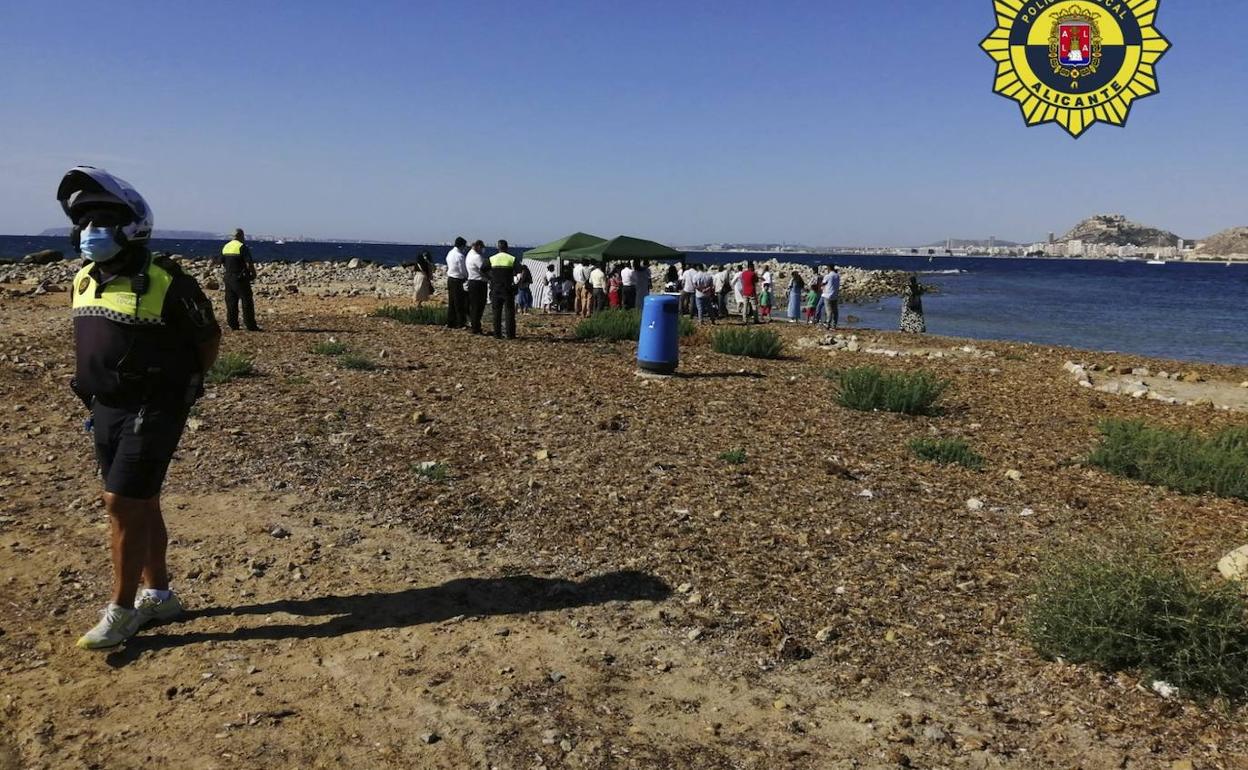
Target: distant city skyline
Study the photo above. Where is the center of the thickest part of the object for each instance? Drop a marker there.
(737, 123)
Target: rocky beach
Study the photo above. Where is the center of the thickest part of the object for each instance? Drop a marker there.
(478, 553)
(356, 277)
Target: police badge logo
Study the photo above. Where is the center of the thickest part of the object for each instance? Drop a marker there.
(1075, 62)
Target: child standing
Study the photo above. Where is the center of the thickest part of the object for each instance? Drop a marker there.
(810, 301)
(764, 303)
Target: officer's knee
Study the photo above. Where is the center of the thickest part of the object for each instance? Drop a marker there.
(129, 509)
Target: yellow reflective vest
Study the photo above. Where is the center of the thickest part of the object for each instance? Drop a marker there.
(232, 249)
(117, 300)
(125, 350)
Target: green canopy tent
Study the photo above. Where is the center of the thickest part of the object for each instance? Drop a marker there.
(556, 249)
(624, 247)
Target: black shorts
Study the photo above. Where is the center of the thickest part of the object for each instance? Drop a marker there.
(132, 463)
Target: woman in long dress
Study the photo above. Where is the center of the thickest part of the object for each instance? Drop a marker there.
(796, 287)
(422, 281)
(912, 308)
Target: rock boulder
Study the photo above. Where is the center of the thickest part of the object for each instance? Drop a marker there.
(45, 257)
(1234, 566)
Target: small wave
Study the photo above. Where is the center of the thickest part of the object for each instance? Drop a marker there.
(942, 272)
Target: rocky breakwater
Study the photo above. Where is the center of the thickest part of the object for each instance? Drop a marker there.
(357, 277)
(350, 278)
(331, 279)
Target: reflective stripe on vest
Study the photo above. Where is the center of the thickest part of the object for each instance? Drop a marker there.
(117, 301)
(502, 260)
(232, 249)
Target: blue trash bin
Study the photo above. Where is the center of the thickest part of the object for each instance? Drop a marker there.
(657, 348)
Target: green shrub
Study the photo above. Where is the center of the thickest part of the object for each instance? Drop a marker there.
(1181, 460)
(752, 343)
(947, 451)
(1133, 610)
(426, 315)
(230, 366)
(869, 389)
(734, 456)
(356, 361)
(330, 348)
(621, 325)
(432, 471)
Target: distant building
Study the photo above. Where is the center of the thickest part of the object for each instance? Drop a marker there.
(1074, 248)
(1052, 238)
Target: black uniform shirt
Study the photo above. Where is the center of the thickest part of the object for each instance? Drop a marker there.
(240, 263)
(123, 362)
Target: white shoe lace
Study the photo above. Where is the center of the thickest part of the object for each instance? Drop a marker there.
(112, 618)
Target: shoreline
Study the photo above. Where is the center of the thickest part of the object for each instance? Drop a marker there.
(330, 279)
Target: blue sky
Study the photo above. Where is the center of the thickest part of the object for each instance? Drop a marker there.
(824, 122)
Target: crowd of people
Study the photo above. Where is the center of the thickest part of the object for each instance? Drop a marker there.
(473, 280)
(708, 293)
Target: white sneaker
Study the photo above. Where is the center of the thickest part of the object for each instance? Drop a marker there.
(150, 607)
(116, 626)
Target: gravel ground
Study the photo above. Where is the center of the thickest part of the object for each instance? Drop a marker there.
(830, 602)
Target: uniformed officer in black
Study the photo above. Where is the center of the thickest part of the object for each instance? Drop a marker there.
(144, 335)
(501, 270)
(240, 271)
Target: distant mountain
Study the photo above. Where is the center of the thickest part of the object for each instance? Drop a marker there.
(172, 235)
(964, 243)
(1226, 243)
(1117, 230)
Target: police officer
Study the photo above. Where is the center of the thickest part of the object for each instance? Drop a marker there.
(501, 271)
(240, 271)
(144, 334)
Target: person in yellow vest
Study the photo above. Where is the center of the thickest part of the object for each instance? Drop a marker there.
(144, 334)
(240, 271)
(501, 270)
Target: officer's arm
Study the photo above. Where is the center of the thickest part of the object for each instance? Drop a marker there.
(208, 352)
(248, 261)
(190, 312)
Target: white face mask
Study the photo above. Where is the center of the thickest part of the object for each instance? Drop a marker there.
(98, 244)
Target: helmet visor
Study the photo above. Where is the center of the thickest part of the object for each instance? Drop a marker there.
(104, 216)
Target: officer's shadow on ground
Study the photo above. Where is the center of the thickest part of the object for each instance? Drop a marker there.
(515, 595)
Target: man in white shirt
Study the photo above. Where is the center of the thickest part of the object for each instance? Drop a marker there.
(456, 273)
(628, 287)
(476, 285)
(580, 277)
(688, 290)
(831, 295)
(719, 279)
(598, 282)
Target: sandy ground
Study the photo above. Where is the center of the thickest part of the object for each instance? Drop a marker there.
(591, 586)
